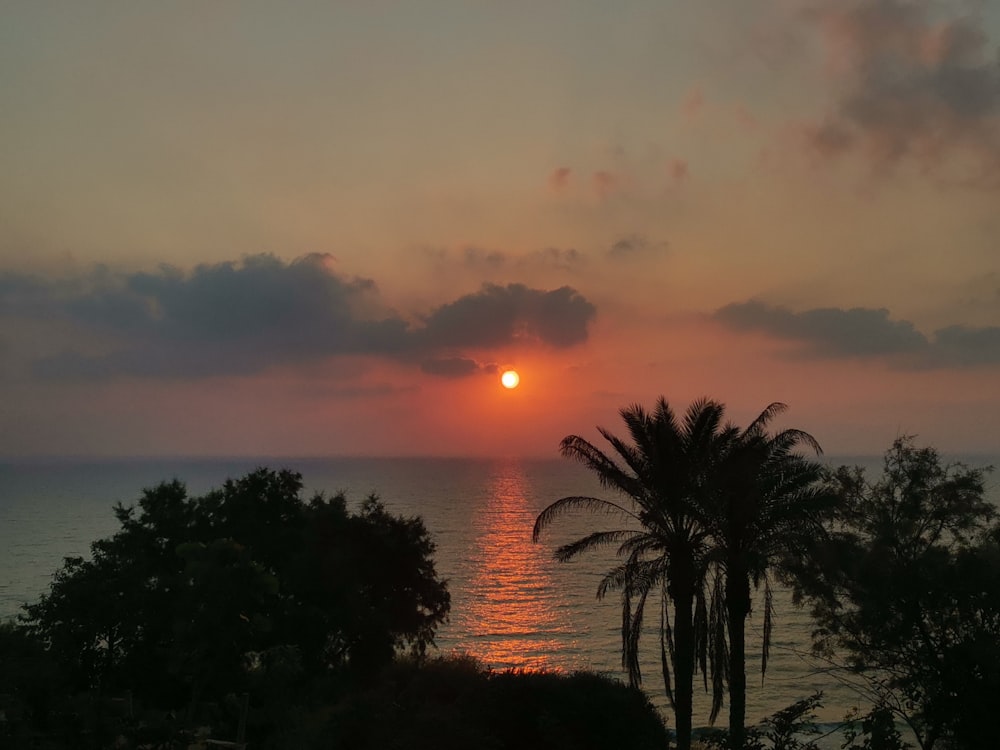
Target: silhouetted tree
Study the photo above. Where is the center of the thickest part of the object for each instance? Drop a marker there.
(661, 476)
(32, 688)
(701, 496)
(198, 596)
(908, 585)
(764, 503)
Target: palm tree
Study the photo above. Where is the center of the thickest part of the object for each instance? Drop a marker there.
(764, 503)
(661, 476)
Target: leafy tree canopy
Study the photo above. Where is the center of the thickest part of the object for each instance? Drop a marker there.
(907, 586)
(197, 597)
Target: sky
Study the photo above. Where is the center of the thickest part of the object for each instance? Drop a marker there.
(307, 228)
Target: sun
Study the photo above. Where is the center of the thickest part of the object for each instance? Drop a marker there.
(510, 379)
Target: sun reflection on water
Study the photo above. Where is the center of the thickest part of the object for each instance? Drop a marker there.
(512, 617)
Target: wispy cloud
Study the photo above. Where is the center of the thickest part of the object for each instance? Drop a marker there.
(605, 183)
(633, 246)
(489, 262)
(559, 179)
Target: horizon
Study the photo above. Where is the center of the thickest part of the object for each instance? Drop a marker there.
(825, 457)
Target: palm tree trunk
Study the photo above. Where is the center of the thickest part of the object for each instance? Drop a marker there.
(684, 655)
(683, 672)
(738, 607)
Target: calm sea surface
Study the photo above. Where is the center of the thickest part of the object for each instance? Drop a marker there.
(512, 604)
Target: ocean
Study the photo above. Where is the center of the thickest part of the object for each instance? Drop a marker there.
(513, 605)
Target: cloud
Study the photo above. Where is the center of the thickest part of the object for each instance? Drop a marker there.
(451, 367)
(693, 104)
(477, 257)
(605, 183)
(491, 261)
(563, 259)
(678, 170)
(501, 315)
(867, 332)
(243, 317)
(633, 246)
(968, 346)
(912, 89)
(559, 179)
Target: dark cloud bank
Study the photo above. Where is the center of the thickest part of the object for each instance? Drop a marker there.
(867, 332)
(238, 318)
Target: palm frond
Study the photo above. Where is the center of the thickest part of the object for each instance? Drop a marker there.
(608, 472)
(795, 437)
(630, 640)
(718, 647)
(592, 541)
(613, 580)
(578, 502)
(764, 418)
(664, 662)
(768, 627)
(701, 634)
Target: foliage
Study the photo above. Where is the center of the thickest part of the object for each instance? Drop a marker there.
(699, 496)
(908, 585)
(763, 504)
(876, 730)
(30, 686)
(660, 475)
(249, 587)
(787, 729)
(455, 703)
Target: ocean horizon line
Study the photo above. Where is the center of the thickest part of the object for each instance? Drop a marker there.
(38, 458)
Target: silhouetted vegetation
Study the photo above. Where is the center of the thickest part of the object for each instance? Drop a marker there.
(903, 573)
(251, 611)
(710, 508)
(788, 729)
(248, 589)
(455, 704)
(907, 586)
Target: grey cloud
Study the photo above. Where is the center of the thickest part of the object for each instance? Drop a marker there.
(451, 367)
(867, 332)
(499, 315)
(916, 89)
(967, 346)
(478, 258)
(857, 331)
(237, 318)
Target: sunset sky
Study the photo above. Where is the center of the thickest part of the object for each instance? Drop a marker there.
(257, 228)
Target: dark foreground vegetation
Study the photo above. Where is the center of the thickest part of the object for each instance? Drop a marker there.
(252, 614)
(901, 573)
